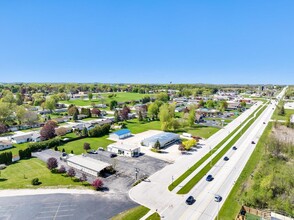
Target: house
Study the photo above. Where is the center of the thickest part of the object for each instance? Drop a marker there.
(120, 134)
(36, 137)
(81, 116)
(87, 164)
(21, 138)
(121, 148)
(233, 105)
(5, 144)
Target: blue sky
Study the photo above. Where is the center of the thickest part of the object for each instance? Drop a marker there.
(246, 41)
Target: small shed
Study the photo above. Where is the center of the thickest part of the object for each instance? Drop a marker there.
(120, 134)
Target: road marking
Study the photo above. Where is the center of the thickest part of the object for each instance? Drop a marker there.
(57, 211)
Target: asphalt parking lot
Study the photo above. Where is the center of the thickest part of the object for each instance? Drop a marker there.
(63, 206)
(126, 167)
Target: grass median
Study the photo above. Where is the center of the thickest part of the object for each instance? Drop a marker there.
(186, 188)
(206, 156)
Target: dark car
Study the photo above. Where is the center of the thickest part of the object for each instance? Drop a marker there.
(234, 148)
(64, 154)
(226, 158)
(112, 155)
(209, 178)
(190, 200)
(252, 142)
(218, 198)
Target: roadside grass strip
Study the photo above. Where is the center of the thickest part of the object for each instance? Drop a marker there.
(203, 159)
(232, 205)
(186, 188)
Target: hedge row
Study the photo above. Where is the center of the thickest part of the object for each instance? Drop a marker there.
(25, 154)
(44, 144)
(6, 158)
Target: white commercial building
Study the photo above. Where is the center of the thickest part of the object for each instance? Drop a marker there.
(124, 149)
(164, 138)
(87, 164)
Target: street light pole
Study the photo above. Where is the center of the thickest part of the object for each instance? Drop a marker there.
(172, 180)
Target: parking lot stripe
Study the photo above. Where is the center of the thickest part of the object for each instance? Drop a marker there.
(61, 216)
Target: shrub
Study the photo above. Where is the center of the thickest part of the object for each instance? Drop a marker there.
(25, 154)
(44, 144)
(62, 169)
(6, 158)
(71, 172)
(97, 184)
(35, 182)
(52, 163)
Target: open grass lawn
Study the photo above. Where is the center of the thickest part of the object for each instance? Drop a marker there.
(288, 112)
(20, 174)
(136, 126)
(202, 131)
(133, 213)
(77, 146)
(16, 148)
(120, 97)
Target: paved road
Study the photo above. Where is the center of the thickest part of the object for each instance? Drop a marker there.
(63, 206)
(155, 194)
(225, 174)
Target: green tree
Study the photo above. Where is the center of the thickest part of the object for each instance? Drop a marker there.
(140, 116)
(157, 145)
(50, 104)
(75, 116)
(210, 104)
(163, 96)
(90, 95)
(84, 132)
(153, 111)
(191, 117)
(113, 104)
(20, 113)
(281, 110)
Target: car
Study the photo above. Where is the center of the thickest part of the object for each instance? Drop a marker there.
(190, 200)
(226, 158)
(112, 155)
(93, 152)
(234, 148)
(101, 148)
(218, 198)
(209, 178)
(264, 123)
(252, 142)
(64, 154)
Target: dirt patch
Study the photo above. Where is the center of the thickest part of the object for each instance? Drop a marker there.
(283, 134)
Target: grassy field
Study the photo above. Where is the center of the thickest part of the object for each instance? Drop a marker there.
(136, 126)
(201, 131)
(186, 188)
(120, 97)
(20, 174)
(204, 158)
(288, 112)
(77, 146)
(232, 205)
(134, 213)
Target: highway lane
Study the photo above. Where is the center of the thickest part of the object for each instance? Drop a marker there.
(155, 194)
(225, 174)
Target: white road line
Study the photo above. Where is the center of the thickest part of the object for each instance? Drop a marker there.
(57, 211)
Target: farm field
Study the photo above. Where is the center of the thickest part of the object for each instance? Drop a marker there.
(20, 174)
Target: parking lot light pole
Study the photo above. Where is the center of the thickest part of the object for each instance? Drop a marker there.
(172, 180)
(136, 172)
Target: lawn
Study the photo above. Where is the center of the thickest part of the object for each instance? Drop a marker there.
(77, 146)
(20, 174)
(133, 213)
(288, 112)
(120, 97)
(136, 126)
(154, 216)
(16, 148)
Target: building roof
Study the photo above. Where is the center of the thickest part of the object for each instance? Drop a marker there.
(125, 147)
(163, 138)
(22, 136)
(5, 142)
(88, 162)
(122, 132)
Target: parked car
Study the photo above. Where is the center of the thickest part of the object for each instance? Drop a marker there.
(264, 123)
(226, 158)
(209, 178)
(234, 148)
(64, 154)
(218, 198)
(92, 152)
(252, 142)
(190, 200)
(112, 155)
(101, 148)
